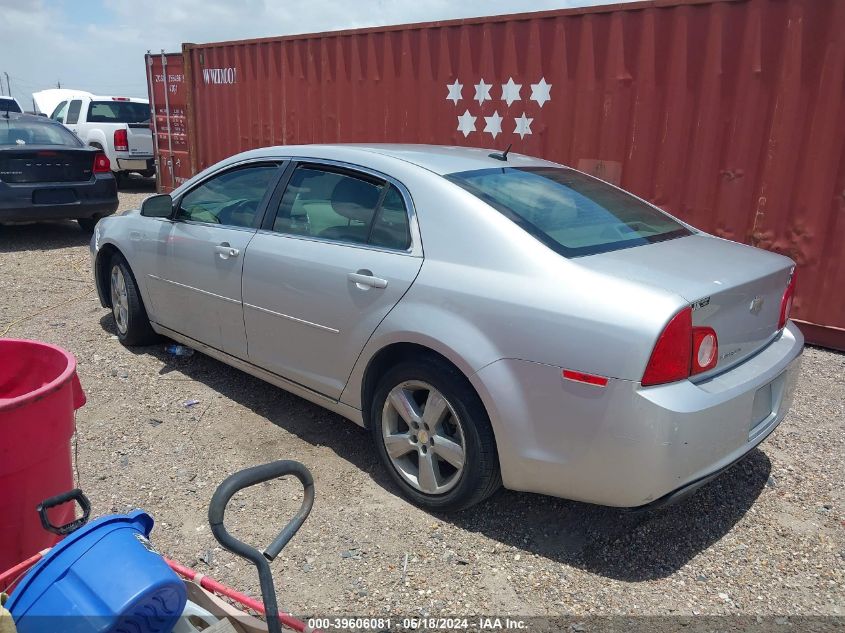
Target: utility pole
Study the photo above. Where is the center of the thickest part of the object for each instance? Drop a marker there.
(8, 85)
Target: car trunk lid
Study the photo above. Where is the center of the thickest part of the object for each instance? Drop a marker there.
(46, 164)
(733, 288)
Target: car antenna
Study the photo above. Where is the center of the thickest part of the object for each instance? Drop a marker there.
(503, 156)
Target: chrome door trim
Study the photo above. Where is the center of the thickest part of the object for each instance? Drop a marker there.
(199, 290)
(348, 412)
(292, 318)
(325, 240)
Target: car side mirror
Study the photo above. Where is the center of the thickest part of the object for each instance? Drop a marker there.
(160, 206)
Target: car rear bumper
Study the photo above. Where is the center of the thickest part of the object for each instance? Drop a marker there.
(33, 202)
(626, 445)
(136, 163)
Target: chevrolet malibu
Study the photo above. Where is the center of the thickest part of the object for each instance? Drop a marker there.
(493, 319)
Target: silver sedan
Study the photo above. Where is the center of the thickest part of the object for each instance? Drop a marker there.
(493, 319)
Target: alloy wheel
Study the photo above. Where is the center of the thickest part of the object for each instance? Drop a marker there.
(119, 299)
(424, 437)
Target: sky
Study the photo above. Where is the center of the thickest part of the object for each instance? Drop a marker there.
(99, 45)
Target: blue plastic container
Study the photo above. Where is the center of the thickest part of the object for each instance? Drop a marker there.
(103, 578)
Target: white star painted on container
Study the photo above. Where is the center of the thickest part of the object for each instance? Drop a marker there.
(523, 126)
(540, 92)
(510, 92)
(466, 123)
(494, 124)
(482, 92)
(455, 91)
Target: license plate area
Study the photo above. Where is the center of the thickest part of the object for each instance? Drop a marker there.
(762, 407)
(54, 196)
(765, 407)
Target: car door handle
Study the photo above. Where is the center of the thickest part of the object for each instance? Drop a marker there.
(365, 279)
(226, 251)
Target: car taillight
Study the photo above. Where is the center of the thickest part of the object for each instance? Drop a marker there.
(102, 165)
(786, 302)
(681, 351)
(121, 142)
(670, 358)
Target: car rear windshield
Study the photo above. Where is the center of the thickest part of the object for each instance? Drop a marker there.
(118, 112)
(572, 213)
(9, 105)
(22, 133)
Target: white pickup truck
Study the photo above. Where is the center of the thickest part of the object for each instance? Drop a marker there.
(120, 126)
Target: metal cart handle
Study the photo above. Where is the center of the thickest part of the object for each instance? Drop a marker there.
(217, 508)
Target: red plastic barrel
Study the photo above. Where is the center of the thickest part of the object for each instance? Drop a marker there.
(39, 392)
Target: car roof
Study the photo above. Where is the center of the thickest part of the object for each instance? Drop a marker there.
(27, 118)
(440, 159)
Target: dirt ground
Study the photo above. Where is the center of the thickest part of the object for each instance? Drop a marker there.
(767, 537)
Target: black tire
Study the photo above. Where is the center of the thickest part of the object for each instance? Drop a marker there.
(481, 476)
(87, 224)
(138, 330)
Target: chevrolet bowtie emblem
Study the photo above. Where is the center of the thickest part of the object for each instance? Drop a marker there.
(756, 305)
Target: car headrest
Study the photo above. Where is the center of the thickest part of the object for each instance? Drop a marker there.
(355, 199)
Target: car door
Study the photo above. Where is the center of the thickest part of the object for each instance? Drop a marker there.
(194, 273)
(337, 250)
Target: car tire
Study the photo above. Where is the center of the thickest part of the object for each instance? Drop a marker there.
(87, 224)
(457, 418)
(130, 317)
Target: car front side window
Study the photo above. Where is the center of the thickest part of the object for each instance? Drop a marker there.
(232, 198)
(59, 112)
(343, 206)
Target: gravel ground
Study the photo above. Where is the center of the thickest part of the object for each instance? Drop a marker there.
(767, 537)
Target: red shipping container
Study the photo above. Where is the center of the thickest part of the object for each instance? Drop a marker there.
(727, 113)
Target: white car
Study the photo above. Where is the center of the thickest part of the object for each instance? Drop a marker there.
(119, 126)
(9, 104)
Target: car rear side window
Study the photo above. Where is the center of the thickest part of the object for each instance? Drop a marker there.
(22, 132)
(231, 198)
(343, 206)
(118, 112)
(572, 213)
(73, 111)
(9, 105)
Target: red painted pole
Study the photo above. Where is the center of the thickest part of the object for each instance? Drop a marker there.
(216, 587)
(9, 577)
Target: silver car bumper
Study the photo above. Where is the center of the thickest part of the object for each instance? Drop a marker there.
(626, 445)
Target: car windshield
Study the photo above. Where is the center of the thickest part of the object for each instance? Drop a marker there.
(572, 213)
(19, 133)
(118, 112)
(9, 105)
